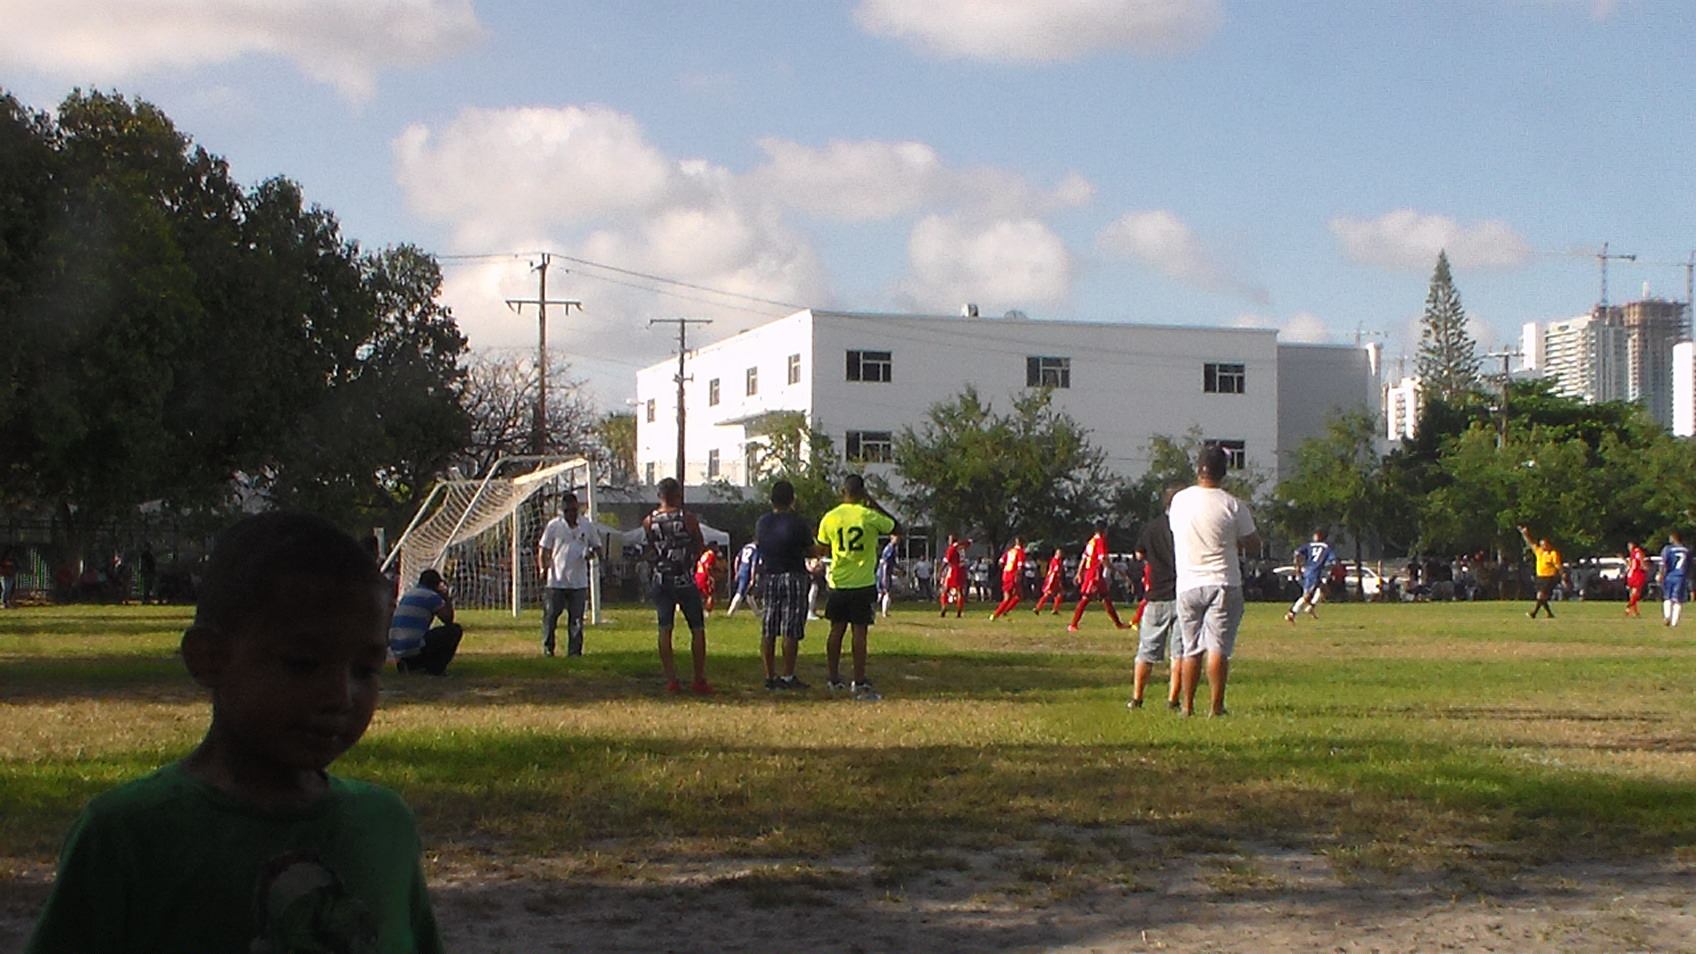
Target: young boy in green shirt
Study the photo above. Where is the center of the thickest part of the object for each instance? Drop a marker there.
(247, 844)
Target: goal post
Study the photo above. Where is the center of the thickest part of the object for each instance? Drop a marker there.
(481, 534)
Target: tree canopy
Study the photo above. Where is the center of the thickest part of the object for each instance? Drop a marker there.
(1031, 471)
(1448, 357)
(172, 335)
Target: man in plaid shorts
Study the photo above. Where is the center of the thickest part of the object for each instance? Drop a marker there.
(785, 541)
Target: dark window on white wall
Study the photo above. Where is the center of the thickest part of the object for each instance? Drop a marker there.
(712, 392)
(1223, 378)
(870, 447)
(753, 382)
(1236, 453)
(712, 464)
(794, 369)
(1041, 372)
(871, 366)
(650, 414)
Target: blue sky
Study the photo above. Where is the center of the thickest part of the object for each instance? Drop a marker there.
(1214, 162)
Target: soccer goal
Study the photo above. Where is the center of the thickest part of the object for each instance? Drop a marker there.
(481, 534)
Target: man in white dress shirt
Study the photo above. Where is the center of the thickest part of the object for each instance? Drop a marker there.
(563, 554)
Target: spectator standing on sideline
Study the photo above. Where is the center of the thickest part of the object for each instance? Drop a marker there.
(673, 544)
(146, 572)
(1675, 578)
(922, 577)
(248, 843)
(1158, 633)
(849, 532)
(784, 540)
(1209, 528)
(1548, 561)
(418, 647)
(563, 553)
(8, 577)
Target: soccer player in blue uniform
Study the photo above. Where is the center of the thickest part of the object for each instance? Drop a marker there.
(1675, 578)
(1313, 557)
(747, 562)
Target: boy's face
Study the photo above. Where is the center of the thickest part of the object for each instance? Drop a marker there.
(297, 687)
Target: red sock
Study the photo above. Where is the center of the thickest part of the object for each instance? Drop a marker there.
(1079, 612)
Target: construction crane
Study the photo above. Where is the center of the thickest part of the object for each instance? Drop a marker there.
(1603, 257)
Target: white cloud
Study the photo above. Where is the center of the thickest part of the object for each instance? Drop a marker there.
(584, 181)
(1301, 328)
(1042, 30)
(1002, 264)
(1160, 239)
(494, 172)
(871, 180)
(344, 43)
(1406, 239)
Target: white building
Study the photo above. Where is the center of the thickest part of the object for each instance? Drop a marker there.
(1586, 358)
(860, 378)
(1401, 409)
(1684, 389)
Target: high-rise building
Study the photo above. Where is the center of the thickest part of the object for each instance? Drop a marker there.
(1652, 326)
(1585, 357)
(1401, 409)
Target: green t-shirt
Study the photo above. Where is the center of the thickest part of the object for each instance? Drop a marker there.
(850, 530)
(170, 864)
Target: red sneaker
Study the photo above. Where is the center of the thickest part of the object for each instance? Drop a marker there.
(700, 687)
(674, 687)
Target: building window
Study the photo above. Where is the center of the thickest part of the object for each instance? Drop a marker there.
(1223, 378)
(712, 393)
(750, 463)
(871, 447)
(649, 473)
(650, 416)
(794, 369)
(712, 465)
(870, 366)
(753, 381)
(1048, 372)
(1236, 453)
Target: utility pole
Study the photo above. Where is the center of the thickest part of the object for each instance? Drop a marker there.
(682, 350)
(1603, 257)
(539, 423)
(1502, 421)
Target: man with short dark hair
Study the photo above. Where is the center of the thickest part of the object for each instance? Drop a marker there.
(784, 540)
(563, 554)
(1209, 528)
(849, 534)
(673, 543)
(416, 646)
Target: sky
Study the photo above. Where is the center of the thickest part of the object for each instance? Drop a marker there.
(1293, 164)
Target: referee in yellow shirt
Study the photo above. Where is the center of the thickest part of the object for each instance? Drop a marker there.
(1548, 571)
(848, 534)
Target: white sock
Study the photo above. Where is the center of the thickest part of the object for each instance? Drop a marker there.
(1677, 608)
(1666, 610)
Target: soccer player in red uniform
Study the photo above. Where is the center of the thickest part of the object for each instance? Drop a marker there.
(1147, 584)
(1636, 577)
(1012, 567)
(1092, 579)
(954, 576)
(1051, 582)
(704, 577)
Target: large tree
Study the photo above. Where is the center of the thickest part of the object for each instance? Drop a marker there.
(1031, 471)
(1339, 479)
(171, 336)
(500, 395)
(1448, 357)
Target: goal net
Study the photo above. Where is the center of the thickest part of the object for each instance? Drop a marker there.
(480, 535)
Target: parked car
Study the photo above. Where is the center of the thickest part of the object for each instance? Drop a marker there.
(1290, 581)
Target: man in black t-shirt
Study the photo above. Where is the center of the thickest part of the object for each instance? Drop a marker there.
(1159, 624)
(785, 540)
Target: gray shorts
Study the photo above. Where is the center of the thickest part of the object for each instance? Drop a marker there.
(1159, 632)
(1209, 616)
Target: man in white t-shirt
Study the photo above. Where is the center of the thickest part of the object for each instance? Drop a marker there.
(1209, 527)
(563, 554)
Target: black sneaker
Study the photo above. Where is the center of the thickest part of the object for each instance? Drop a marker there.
(836, 685)
(1134, 704)
(791, 682)
(773, 683)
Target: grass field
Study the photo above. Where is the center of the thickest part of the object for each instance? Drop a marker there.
(1461, 744)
